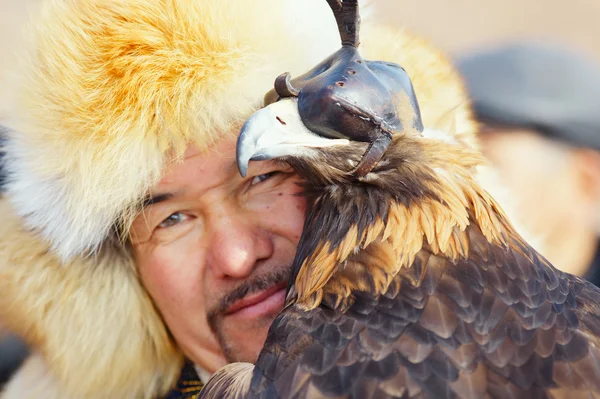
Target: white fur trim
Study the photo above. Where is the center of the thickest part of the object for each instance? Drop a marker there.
(436, 134)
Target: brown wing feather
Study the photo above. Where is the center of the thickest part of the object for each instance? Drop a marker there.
(501, 324)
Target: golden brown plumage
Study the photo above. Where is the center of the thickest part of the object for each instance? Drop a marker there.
(409, 281)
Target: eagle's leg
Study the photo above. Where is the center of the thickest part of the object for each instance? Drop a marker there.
(376, 149)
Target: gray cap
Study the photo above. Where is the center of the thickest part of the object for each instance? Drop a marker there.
(537, 86)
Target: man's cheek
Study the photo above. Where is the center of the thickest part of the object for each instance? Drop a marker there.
(245, 341)
(171, 284)
(299, 215)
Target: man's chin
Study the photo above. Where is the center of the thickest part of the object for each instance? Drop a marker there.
(242, 342)
(242, 334)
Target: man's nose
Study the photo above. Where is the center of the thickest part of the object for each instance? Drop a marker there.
(237, 242)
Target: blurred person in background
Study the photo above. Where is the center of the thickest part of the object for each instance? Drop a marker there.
(539, 109)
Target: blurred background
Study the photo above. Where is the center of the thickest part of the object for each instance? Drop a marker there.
(455, 25)
(465, 27)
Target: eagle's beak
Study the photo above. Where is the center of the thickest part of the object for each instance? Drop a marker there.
(277, 131)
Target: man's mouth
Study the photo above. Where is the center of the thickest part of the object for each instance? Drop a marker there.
(260, 303)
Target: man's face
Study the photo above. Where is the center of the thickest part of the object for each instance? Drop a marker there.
(214, 251)
(535, 170)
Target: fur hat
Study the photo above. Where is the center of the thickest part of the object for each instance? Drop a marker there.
(109, 93)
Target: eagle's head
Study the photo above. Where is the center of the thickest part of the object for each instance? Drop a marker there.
(378, 182)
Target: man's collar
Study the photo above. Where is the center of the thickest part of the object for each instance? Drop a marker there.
(188, 386)
(202, 374)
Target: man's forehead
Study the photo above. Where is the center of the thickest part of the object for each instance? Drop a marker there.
(222, 146)
(191, 151)
(201, 167)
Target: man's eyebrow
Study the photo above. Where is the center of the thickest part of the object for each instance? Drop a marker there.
(155, 199)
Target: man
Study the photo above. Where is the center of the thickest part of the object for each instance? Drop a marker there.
(129, 240)
(538, 105)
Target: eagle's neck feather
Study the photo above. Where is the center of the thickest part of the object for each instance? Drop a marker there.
(439, 224)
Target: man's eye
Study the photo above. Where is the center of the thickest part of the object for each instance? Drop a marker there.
(173, 219)
(263, 177)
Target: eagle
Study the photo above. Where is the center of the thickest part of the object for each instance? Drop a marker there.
(409, 281)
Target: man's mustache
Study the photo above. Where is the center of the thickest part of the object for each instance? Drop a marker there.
(257, 284)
